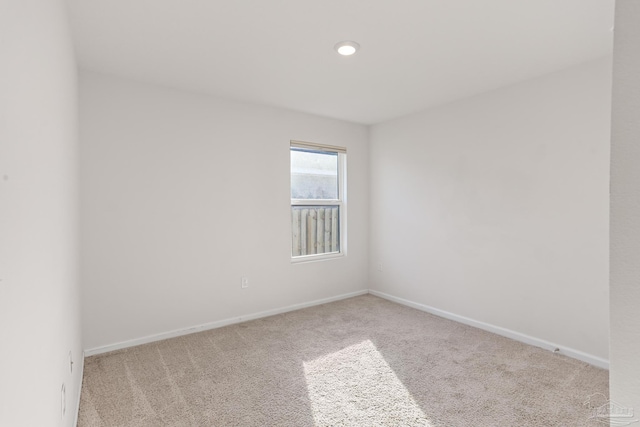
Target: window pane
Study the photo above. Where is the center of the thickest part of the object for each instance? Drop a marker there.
(315, 230)
(314, 175)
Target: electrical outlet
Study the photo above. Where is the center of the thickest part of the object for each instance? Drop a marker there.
(244, 282)
(380, 267)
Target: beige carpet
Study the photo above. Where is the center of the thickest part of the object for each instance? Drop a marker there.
(358, 362)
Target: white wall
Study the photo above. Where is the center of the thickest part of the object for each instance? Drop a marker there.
(495, 208)
(625, 208)
(182, 194)
(39, 314)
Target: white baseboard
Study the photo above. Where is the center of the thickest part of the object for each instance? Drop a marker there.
(216, 324)
(537, 342)
(75, 421)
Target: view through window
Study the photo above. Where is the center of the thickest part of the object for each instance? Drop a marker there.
(317, 199)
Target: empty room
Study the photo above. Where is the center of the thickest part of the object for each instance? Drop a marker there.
(338, 213)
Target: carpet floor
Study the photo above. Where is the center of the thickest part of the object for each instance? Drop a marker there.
(363, 361)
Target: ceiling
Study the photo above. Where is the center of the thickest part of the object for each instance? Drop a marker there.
(414, 53)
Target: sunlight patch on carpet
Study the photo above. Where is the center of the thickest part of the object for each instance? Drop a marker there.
(356, 386)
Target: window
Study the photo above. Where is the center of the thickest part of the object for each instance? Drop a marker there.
(318, 202)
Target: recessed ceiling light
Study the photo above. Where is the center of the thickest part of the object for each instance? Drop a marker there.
(347, 48)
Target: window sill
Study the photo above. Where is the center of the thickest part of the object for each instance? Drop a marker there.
(315, 258)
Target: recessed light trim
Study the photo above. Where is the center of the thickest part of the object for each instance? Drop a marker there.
(347, 48)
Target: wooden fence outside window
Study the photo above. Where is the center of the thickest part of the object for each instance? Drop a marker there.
(315, 230)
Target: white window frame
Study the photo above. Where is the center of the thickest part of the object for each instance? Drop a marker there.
(340, 202)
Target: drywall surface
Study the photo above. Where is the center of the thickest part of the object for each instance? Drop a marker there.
(183, 194)
(495, 208)
(39, 296)
(625, 209)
